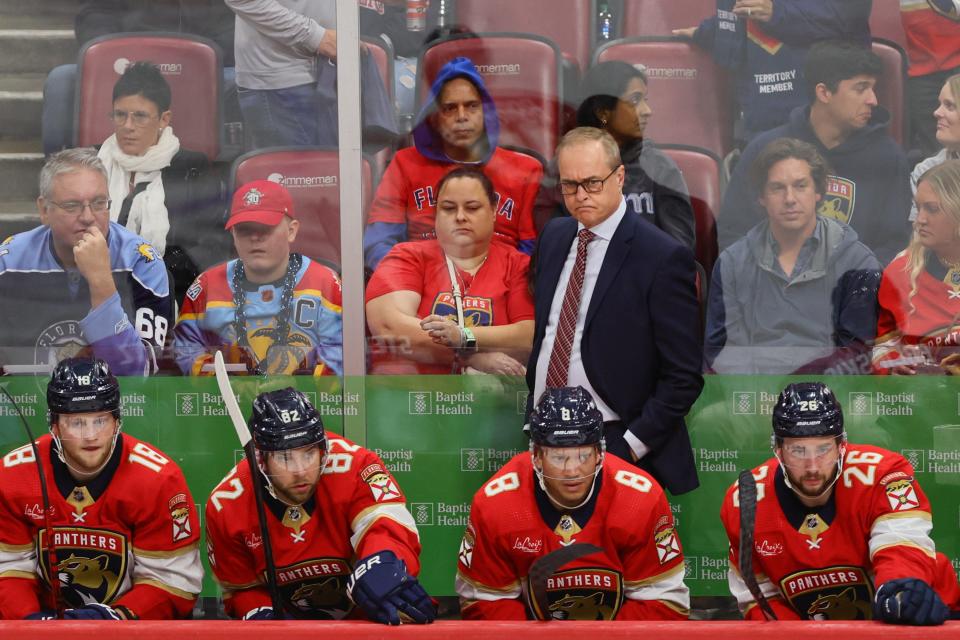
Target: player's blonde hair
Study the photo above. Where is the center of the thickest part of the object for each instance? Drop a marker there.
(944, 179)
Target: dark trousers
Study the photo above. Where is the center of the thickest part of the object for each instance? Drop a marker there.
(613, 431)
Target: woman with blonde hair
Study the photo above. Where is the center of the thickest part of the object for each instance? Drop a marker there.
(918, 330)
(947, 116)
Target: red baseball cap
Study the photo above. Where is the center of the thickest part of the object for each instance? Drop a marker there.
(261, 201)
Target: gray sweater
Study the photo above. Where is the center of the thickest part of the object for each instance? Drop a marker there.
(276, 41)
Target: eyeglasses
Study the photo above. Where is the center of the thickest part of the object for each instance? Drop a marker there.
(592, 185)
(73, 208)
(140, 118)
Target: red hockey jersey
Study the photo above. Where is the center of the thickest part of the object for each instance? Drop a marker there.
(930, 329)
(637, 575)
(128, 538)
(357, 510)
(824, 563)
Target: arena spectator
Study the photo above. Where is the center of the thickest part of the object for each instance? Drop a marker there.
(80, 281)
(95, 18)
(456, 303)
(275, 311)
(615, 99)
(457, 125)
(947, 122)
(799, 284)
(158, 189)
(932, 29)
(764, 42)
(918, 329)
(868, 188)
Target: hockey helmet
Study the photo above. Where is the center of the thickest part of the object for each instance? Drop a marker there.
(566, 417)
(285, 419)
(807, 410)
(82, 385)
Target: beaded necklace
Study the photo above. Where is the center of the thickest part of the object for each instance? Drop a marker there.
(282, 331)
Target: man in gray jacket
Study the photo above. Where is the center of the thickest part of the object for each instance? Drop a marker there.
(279, 45)
(799, 288)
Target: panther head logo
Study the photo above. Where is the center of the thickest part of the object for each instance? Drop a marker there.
(89, 578)
(581, 608)
(839, 606)
(319, 595)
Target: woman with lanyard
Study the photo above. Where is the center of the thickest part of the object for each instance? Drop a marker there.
(454, 304)
(918, 329)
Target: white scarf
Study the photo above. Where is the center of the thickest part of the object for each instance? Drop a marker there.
(148, 213)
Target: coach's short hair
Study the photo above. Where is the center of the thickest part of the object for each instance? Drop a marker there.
(782, 149)
(583, 135)
(68, 161)
(831, 61)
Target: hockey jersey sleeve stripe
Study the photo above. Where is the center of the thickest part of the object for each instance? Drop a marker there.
(13, 573)
(14, 548)
(316, 293)
(396, 511)
(667, 588)
(472, 590)
(902, 529)
(18, 561)
(740, 591)
(181, 575)
(146, 553)
(229, 588)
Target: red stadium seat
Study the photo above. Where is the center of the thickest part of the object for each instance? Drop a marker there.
(191, 65)
(569, 23)
(690, 94)
(312, 177)
(885, 22)
(521, 72)
(701, 171)
(660, 17)
(891, 87)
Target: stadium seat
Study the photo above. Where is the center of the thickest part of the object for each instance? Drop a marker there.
(701, 171)
(191, 65)
(569, 23)
(660, 17)
(312, 177)
(521, 72)
(885, 22)
(891, 87)
(690, 94)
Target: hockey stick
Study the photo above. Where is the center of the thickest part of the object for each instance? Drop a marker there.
(243, 433)
(748, 516)
(545, 566)
(54, 573)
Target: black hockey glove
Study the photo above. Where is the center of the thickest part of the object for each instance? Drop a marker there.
(264, 613)
(909, 601)
(381, 586)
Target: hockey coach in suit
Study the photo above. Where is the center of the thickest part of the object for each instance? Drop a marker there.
(616, 312)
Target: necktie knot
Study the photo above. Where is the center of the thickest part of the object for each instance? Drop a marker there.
(585, 235)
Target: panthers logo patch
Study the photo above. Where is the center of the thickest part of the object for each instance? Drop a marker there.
(832, 593)
(477, 312)
(839, 200)
(91, 563)
(316, 589)
(901, 496)
(60, 340)
(381, 484)
(588, 593)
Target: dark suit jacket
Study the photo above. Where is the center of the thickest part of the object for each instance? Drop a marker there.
(640, 345)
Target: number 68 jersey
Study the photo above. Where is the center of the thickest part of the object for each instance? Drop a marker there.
(637, 575)
(357, 509)
(824, 563)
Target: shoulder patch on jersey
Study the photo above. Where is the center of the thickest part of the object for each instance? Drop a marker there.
(195, 290)
(896, 475)
(901, 495)
(6, 241)
(466, 545)
(180, 514)
(148, 252)
(381, 484)
(665, 537)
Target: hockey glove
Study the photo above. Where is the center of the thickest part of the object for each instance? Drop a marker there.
(47, 614)
(381, 586)
(263, 613)
(94, 611)
(909, 601)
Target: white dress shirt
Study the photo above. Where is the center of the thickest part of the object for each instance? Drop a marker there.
(596, 252)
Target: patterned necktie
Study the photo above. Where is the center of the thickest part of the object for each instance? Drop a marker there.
(559, 366)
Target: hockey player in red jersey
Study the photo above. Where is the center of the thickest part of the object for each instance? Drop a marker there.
(842, 530)
(124, 526)
(340, 531)
(568, 490)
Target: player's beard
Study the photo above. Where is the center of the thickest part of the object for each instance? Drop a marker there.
(811, 491)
